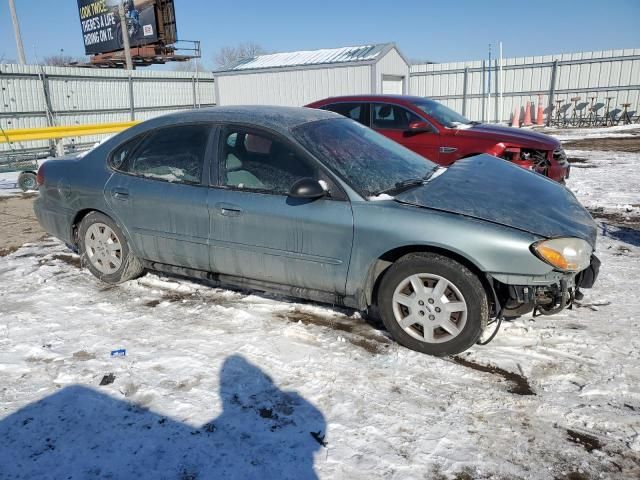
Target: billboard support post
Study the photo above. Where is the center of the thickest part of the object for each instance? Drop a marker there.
(16, 31)
(125, 36)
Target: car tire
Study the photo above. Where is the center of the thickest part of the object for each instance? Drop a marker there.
(372, 316)
(433, 304)
(105, 250)
(27, 181)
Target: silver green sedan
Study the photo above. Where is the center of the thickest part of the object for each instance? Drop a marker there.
(310, 204)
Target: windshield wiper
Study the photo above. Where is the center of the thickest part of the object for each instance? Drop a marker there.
(407, 184)
(474, 122)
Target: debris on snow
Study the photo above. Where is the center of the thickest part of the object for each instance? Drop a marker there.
(107, 379)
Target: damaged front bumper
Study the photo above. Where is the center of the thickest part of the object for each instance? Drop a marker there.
(587, 277)
(547, 295)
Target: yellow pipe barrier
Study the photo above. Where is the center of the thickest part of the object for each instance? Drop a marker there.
(47, 133)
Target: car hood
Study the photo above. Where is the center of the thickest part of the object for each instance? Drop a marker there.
(491, 189)
(512, 135)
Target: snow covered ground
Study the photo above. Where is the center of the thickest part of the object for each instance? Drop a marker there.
(221, 384)
(9, 183)
(606, 182)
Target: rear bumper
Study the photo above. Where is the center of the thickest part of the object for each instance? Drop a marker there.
(56, 222)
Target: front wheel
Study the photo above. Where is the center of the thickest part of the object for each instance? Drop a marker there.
(433, 304)
(105, 251)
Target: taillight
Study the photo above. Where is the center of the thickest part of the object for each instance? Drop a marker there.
(40, 175)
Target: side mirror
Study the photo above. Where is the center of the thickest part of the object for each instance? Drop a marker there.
(307, 188)
(419, 127)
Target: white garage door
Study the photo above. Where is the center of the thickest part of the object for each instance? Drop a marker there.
(392, 85)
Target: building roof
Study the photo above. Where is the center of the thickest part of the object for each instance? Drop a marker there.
(361, 53)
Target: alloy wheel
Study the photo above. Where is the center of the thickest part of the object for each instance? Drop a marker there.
(430, 308)
(103, 248)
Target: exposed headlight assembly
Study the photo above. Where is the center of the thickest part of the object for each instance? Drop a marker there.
(566, 254)
(560, 156)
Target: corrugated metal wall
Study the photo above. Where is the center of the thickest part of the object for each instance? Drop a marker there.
(297, 86)
(294, 87)
(391, 64)
(611, 73)
(37, 96)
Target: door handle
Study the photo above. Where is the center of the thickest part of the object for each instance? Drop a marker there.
(120, 193)
(229, 209)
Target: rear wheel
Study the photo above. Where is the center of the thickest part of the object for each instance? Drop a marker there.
(105, 250)
(433, 304)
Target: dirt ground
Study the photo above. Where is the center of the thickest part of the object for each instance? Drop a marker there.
(18, 223)
(622, 144)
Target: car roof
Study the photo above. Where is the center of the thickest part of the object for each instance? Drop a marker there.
(281, 119)
(371, 98)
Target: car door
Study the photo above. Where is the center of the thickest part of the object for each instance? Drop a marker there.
(158, 194)
(393, 122)
(257, 231)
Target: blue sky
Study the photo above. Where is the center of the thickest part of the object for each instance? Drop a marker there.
(439, 31)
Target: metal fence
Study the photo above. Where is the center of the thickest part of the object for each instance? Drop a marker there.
(612, 75)
(34, 96)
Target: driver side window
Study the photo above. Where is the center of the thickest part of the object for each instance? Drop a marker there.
(392, 117)
(261, 163)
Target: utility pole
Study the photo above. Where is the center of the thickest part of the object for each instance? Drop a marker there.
(125, 35)
(489, 89)
(501, 83)
(16, 31)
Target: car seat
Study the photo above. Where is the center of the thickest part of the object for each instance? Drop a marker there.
(237, 176)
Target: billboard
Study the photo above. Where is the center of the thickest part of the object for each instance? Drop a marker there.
(102, 30)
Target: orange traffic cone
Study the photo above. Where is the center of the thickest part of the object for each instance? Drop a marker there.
(540, 113)
(515, 119)
(527, 115)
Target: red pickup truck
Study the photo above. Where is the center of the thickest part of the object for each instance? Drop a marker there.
(442, 135)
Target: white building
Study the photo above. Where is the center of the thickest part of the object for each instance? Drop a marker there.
(298, 78)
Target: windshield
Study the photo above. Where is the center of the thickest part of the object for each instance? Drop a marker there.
(368, 161)
(443, 114)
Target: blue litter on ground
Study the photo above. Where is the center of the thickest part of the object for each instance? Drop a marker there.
(119, 353)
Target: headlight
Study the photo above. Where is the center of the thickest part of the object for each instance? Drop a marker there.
(567, 254)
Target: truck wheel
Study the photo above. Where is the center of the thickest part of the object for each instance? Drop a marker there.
(27, 181)
(105, 250)
(433, 304)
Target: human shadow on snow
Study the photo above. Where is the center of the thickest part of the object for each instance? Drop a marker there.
(80, 433)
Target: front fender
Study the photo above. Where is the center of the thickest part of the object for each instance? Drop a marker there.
(491, 248)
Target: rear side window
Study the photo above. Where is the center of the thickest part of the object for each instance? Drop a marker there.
(355, 111)
(120, 155)
(172, 154)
